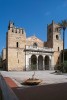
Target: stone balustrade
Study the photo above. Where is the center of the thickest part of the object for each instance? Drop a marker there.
(39, 48)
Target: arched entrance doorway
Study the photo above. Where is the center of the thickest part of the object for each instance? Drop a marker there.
(40, 62)
(33, 62)
(46, 62)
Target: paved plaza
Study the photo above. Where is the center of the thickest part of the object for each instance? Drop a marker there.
(47, 77)
(52, 87)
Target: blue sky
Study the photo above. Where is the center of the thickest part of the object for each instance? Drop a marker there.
(32, 15)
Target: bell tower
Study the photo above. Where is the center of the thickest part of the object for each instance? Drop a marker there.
(15, 45)
(54, 40)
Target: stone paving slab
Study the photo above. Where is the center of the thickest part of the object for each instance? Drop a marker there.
(47, 77)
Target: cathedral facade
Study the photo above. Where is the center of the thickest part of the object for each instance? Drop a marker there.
(31, 53)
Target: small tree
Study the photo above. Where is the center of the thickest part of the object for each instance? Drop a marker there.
(0, 57)
(33, 66)
(65, 66)
(0, 60)
(63, 25)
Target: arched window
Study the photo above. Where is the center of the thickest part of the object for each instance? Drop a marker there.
(57, 37)
(35, 45)
(17, 44)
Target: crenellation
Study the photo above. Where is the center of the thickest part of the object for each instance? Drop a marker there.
(11, 25)
(14, 29)
(17, 30)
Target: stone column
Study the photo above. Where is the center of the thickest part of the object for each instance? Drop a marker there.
(29, 62)
(50, 62)
(43, 64)
(37, 62)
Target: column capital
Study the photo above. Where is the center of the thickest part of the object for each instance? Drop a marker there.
(50, 56)
(44, 56)
(30, 56)
(37, 56)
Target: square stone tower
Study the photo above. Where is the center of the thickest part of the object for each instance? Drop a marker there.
(15, 45)
(54, 40)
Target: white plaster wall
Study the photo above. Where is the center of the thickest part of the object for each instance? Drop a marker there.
(27, 61)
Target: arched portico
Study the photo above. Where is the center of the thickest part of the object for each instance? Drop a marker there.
(40, 62)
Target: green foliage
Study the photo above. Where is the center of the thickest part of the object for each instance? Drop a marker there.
(63, 24)
(62, 67)
(33, 66)
(0, 59)
(65, 66)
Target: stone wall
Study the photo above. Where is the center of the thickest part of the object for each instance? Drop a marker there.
(33, 39)
(15, 49)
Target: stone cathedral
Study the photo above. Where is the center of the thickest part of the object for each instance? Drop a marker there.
(31, 53)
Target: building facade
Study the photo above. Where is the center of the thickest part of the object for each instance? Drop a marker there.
(31, 53)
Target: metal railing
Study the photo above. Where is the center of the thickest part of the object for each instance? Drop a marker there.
(34, 67)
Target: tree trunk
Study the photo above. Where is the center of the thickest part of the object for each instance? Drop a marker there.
(63, 43)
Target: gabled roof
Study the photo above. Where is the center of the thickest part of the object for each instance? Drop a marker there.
(31, 38)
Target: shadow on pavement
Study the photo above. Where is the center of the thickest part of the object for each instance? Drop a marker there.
(44, 92)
